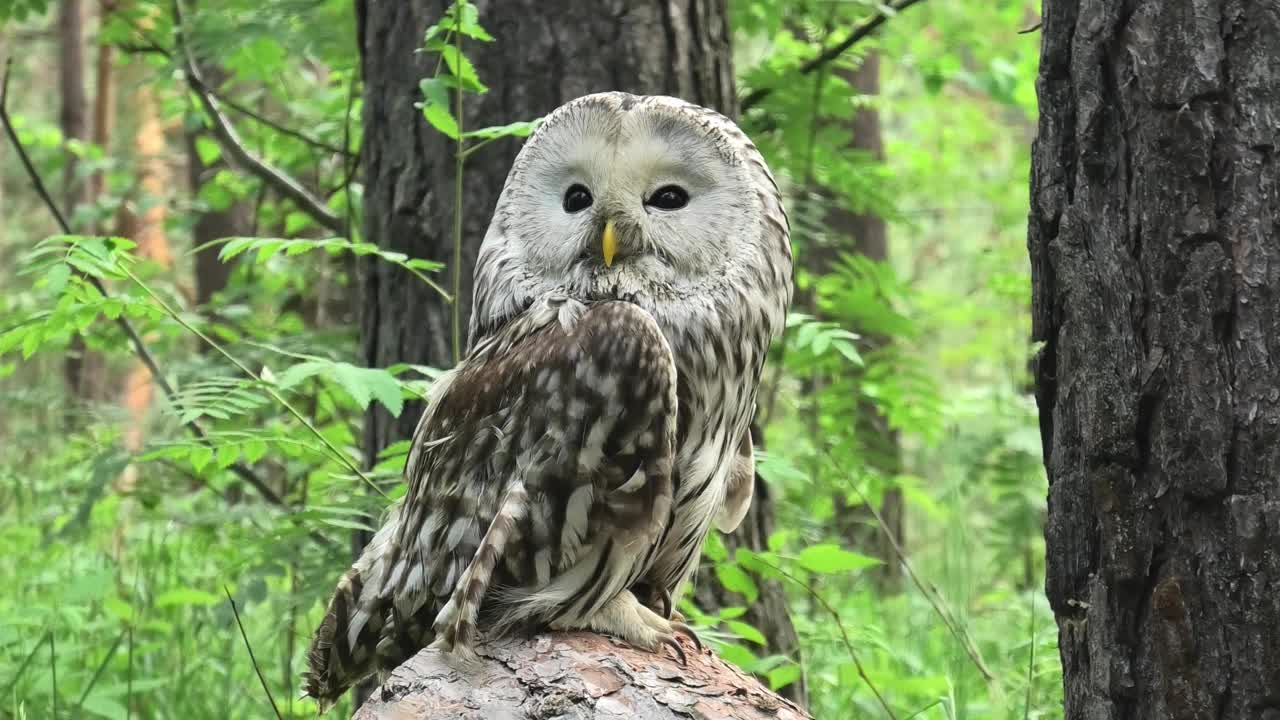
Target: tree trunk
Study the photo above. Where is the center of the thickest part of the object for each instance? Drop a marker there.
(879, 442)
(538, 62)
(73, 112)
(84, 370)
(104, 101)
(1155, 248)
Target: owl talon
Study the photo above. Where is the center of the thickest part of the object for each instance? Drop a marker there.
(674, 644)
(688, 632)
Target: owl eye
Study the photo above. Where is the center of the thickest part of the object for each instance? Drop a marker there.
(668, 197)
(576, 199)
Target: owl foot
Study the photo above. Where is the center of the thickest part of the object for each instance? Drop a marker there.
(627, 618)
(658, 599)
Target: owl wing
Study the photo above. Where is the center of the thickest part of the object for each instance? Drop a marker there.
(542, 466)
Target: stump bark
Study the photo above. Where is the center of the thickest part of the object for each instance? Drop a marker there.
(573, 676)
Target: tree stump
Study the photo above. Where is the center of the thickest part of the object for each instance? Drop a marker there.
(573, 676)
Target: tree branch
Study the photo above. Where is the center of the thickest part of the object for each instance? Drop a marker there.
(150, 46)
(864, 29)
(139, 345)
(231, 144)
(290, 132)
(575, 674)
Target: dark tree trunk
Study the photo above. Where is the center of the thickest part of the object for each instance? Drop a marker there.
(545, 54)
(1155, 247)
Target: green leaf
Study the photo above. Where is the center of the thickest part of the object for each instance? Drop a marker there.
(254, 450)
(200, 456)
(746, 632)
(469, 25)
(186, 596)
(714, 548)
(829, 558)
(293, 222)
(208, 150)
(735, 579)
(56, 278)
(227, 455)
(106, 707)
(462, 69)
(783, 676)
(435, 107)
(738, 655)
(516, 129)
(365, 384)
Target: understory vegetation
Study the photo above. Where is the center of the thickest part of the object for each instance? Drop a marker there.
(182, 398)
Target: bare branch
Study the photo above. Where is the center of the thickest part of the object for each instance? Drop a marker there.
(264, 120)
(139, 345)
(231, 144)
(865, 29)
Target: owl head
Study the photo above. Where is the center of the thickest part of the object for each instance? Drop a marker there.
(647, 199)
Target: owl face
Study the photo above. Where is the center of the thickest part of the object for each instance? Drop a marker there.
(618, 196)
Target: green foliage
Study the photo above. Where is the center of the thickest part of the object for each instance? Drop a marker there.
(900, 382)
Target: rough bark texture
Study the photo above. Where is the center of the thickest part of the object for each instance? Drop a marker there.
(573, 676)
(545, 54)
(1155, 248)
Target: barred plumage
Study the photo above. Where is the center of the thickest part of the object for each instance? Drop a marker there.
(566, 473)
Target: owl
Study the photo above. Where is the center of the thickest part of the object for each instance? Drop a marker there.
(565, 474)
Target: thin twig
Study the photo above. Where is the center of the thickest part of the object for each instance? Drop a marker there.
(335, 453)
(53, 671)
(150, 46)
(27, 661)
(252, 659)
(264, 120)
(864, 29)
(128, 691)
(84, 694)
(139, 345)
(1031, 660)
(231, 144)
(844, 635)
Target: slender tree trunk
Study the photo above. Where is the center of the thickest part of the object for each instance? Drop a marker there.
(84, 369)
(870, 238)
(1155, 248)
(143, 219)
(73, 112)
(539, 61)
(104, 100)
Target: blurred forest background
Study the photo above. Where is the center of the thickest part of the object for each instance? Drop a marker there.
(225, 212)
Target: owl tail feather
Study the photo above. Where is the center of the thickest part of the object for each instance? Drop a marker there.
(344, 649)
(455, 624)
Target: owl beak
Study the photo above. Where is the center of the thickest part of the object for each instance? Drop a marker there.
(609, 244)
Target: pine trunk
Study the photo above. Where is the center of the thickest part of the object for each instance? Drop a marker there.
(1155, 248)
